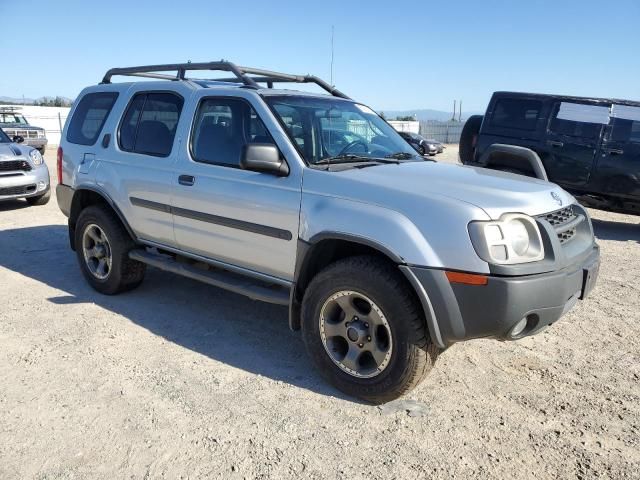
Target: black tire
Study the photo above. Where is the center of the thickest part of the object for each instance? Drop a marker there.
(124, 274)
(42, 150)
(40, 199)
(469, 133)
(413, 353)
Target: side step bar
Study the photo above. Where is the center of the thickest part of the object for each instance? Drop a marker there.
(233, 282)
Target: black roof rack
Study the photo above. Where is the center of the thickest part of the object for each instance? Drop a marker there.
(249, 77)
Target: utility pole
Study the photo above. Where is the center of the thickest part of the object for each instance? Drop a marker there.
(332, 32)
(453, 118)
(460, 111)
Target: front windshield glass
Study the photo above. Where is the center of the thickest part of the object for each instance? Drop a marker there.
(13, 118)
(326, 129)
(3, 137)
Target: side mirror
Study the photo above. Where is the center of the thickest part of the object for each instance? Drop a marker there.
(263, 157)
(18, 139)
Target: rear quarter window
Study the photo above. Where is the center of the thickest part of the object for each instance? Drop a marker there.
(89, 117)
(516, 113)
(578, 120)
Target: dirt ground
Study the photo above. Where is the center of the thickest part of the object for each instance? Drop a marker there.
(181, 380)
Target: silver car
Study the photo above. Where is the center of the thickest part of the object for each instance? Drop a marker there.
(23, 173)
(383, 259)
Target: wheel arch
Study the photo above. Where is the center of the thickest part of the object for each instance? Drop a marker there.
(86, 196)
(323, 249)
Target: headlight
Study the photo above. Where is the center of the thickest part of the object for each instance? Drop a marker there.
(36, 158)
(515, 238)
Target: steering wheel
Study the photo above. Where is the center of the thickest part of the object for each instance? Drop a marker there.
(353, 144)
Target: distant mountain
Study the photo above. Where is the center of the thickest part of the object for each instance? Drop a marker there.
(30, 101)
(424, 114)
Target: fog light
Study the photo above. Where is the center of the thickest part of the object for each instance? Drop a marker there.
(519, 328)
(41, 186)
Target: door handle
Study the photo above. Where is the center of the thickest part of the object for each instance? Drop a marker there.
(186, 180)
(614, 151)
(555, 143)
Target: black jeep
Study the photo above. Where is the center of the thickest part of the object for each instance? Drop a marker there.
(589, 146)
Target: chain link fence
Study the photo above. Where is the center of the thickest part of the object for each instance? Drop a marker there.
(444, 132)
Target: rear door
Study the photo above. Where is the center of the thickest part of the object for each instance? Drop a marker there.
(572, 141)
(136, 168)
(618, 169)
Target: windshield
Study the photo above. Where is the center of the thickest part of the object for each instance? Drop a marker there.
(3, 137)
(13, 118)
(323, 129)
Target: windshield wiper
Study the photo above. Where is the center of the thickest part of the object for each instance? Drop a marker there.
(400, 155)
(351, 158)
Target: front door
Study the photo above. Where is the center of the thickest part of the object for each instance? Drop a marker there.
(244, 218)
(573, 138)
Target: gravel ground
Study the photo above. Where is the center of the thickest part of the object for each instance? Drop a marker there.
(181, 380)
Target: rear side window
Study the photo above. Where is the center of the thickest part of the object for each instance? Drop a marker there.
(89, 117)
(150, 122)
(516, 113)
(578, 120)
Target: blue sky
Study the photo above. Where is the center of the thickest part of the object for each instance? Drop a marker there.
(388, 54)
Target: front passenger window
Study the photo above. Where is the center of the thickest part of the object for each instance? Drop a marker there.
(223, 126)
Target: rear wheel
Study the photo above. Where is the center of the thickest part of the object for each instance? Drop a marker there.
(468, 138)
(364, 329)
(102, 247)
(40, 199)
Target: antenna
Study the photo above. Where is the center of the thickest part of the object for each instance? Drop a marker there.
(332, 30)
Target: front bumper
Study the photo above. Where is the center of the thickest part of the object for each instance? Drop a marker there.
(38, 143)
(25, 184)
(457, 312)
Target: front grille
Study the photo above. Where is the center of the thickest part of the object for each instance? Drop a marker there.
(13, 165)
(559, 217)
(560, 220)
(21, 190)
(566, 235)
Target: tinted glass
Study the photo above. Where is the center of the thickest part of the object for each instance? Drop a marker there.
(516, 113)
(573, 128)
(3, 137)
(130, 123)
(223, 126)
(625, 130)
(149, 126)
(89, 117)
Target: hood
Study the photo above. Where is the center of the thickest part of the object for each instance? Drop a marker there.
(493, 191)
(10, 151)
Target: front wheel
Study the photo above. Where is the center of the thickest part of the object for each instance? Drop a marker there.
(364, 329)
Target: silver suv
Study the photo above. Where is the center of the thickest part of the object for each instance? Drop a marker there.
(315, 202)
(16, 126)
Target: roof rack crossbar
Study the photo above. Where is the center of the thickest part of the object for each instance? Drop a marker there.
(241, 74)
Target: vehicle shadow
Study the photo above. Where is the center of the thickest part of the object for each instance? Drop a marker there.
(13, 205)
(229, 328)
(612, 230)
